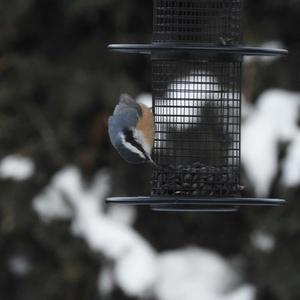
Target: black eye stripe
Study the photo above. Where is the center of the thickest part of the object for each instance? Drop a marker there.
(129, 138)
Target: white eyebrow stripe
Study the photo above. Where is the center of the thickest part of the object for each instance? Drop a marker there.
(131, 147)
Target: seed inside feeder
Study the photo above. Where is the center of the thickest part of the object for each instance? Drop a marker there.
(197, 180)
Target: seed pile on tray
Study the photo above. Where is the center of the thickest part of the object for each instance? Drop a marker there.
(196, 180)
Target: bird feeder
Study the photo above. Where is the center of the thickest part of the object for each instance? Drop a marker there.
(196, 56)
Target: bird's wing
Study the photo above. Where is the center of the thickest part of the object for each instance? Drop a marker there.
(126, 102)
(123, 119)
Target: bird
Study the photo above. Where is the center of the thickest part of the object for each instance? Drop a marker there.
(131, 130)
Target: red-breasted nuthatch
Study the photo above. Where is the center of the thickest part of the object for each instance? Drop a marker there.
(131, 130)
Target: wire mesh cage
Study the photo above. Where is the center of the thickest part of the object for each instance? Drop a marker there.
(197, 59)
(197, 115)
(197, 21)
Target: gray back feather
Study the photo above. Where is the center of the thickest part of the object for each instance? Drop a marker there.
(126, 102)
(125, 116)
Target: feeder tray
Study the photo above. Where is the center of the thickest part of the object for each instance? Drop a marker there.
(197, 56)
(152, 49)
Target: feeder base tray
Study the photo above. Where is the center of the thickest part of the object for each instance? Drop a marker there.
(196, 204)
(194, 48)
(193, 208)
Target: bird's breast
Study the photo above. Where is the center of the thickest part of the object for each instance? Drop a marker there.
(145, 125)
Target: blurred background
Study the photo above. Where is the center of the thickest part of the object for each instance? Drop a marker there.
(58, 240)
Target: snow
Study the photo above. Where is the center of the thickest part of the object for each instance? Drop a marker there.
(145, 98)
(185, 93)
(181, 106)
(51, 205)
(245, 292)
(106, 281)
(135, 266)
(291, 164)
(122, 214)
(134, 258)
(262, 241)
(19, 265)
(194, 273)
(247, 108)
(16, 167)
(273, 121)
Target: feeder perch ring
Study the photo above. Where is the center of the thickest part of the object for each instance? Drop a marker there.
(193, 204)
(230, 201)
(150, 49)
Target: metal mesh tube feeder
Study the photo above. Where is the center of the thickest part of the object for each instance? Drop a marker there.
(197, 56)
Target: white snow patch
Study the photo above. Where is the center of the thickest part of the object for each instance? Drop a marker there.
(272, 44)
(16, 167)
(182, 107)
(19, 265)
(185, 96)
(247, 108)
(106, 281)
(262, 241)
(245, 292)
(134, 258)
(122, 214)
(273, 121)
(195, 273)
(51, 205)
(291, 164)
(145, 98)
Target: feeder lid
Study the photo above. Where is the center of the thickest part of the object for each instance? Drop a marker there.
(195, 48)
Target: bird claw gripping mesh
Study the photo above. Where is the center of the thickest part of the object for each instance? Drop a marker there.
(197, 56)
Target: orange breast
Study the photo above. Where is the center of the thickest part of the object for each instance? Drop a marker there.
(146, 124)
